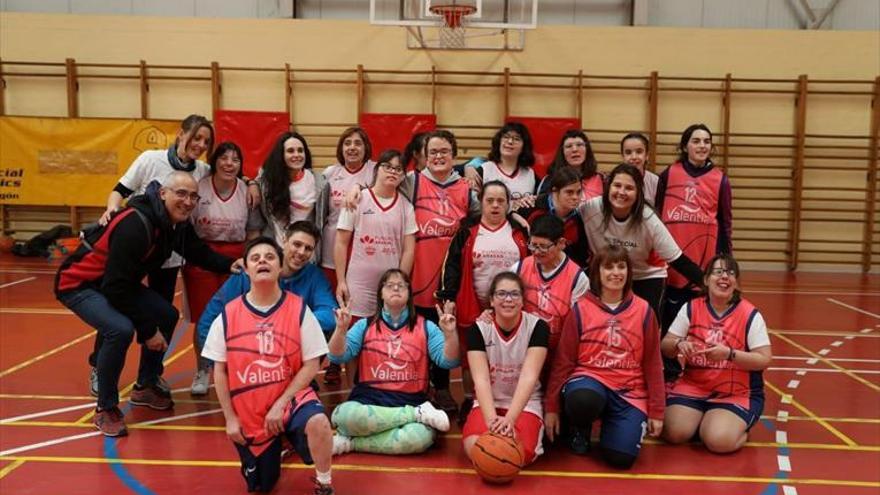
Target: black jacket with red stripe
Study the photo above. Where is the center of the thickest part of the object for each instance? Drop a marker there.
(126, 251)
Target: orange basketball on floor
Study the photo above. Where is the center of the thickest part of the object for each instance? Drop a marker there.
(497, 458)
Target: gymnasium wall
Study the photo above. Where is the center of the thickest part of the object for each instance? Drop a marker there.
(763, 117)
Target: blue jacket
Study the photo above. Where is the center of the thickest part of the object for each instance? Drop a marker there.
(309, 283)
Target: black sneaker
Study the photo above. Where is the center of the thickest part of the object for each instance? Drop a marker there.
(579, 441)
(322, 489)
(152, 397)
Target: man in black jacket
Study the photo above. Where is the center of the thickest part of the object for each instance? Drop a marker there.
(101, 284)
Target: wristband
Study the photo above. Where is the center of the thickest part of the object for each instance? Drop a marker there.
(732, 355)
(251, 182)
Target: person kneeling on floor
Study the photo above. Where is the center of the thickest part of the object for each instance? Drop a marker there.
(266, 346)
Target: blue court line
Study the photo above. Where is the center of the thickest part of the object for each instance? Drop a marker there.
(773, 488)
(110, 451)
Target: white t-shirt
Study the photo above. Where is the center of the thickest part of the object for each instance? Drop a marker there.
(153, 165)
(521, 183)
(303, 196)
(650, 246)
(757, 332)
(494, 252)
(311, 338)
(347, 218)
(216, 218)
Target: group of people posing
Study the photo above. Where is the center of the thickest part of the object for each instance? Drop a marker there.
(565, 299)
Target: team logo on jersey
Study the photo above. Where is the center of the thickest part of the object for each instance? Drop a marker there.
(438, 227)
(263, 370)
(395, 368)
(614, 340)
(203, 221)
(368, 242)
(689, 211)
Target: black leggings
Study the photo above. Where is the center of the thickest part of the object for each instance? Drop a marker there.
(651, 290)
(161, 280)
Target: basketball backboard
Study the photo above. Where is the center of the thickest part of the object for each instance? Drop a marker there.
(485, 25)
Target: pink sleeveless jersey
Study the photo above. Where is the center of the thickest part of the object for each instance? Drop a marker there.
(719, 381)
(506, 356)
(592, 187)
(439, 209)
(549, 298)
(340, 181)
(220, 219)
(395, 360)
(263, 354)
(376, 246)
(611, 346)
(690, 212)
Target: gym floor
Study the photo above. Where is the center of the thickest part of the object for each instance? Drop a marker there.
(820, 432)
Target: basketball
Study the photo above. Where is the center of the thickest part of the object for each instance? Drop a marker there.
(497, 458)
(6, 243)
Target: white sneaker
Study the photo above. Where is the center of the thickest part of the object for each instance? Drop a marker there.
(342, 444)
(201, 382)
(93, 382)
(429, 415)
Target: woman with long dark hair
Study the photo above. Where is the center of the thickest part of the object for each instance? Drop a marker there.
(287, 185)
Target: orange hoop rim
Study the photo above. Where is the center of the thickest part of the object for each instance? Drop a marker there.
(453, 13)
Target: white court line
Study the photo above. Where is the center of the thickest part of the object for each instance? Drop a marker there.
(823, 352)
(28, 272)
(810, 360)
(781, 437)
(866, 330)
(845, 305)
(824, 370)
(782, 416)
(48, 443)
(794, 384)
(810, 292)
(785, 399)
(821, 333)
(784, 463)
(837, 343)
(789, 490)
(16, 282)
(46, 413)
(850, 337)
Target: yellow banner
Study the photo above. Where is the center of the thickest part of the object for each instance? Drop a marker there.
(72, 162)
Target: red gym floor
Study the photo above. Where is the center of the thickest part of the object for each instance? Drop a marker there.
(820, 433)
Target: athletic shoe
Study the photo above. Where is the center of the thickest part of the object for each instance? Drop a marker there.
(342, 444)
(163, 385)
(110, 422)
(429, 415)
(152, 397)
(93, 382)
(579, 441)
(201, 382)
(332, 375)
(443, 400)
(322, 489)
(466, 405)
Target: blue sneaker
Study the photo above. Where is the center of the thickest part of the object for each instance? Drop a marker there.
(579, 441)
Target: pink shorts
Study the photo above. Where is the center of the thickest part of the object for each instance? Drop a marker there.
(529, 429)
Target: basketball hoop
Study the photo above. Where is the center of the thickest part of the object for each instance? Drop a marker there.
(452, 33)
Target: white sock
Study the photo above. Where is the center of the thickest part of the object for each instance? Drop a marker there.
(324, 478)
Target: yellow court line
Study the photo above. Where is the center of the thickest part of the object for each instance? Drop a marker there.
(36, 311)
(10, 468)
(214, 402)
(450, 436)
(834, 365)
(847, 440)
(127, 390)
(433, 470)
(46, 354)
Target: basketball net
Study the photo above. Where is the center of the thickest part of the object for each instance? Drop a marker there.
(452, 33)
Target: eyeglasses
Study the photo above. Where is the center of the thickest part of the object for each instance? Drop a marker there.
(513, 138)
(540, 248)
(443, 152)
(721, 271)
(513, 295)
(184, 194)
(396, 286)
(391, 169)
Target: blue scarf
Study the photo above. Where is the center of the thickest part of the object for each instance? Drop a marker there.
(175, 162)
(401, 321)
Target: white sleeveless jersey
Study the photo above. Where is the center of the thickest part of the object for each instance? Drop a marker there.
(506, 359)
(340, 182)
(521, 183)
(495, 251)
(221, 219)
